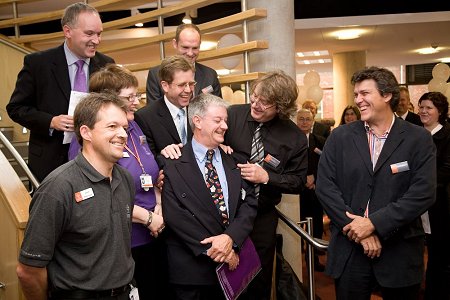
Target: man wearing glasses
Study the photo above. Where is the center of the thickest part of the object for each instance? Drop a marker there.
(164, 122)
(271, 152)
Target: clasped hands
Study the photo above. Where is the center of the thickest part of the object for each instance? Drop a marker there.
(361, 231)
(221, 250)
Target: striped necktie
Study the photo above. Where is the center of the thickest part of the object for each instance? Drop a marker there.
(257, 154)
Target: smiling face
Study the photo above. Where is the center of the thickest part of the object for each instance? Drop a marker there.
(260, 109)
(429, 114)
(84, 37)
(131, 99)
(373, 106)
(210, 129)
(188, 44)
(350, 116)
(107, 139)
(179, 92)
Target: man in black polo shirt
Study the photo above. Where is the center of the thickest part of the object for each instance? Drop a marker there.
(77, 243)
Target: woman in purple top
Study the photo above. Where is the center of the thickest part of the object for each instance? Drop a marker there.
(148, 221)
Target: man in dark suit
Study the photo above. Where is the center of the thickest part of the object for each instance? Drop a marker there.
(402, 108)
(309, 204)
(317, 127)
(281, 168)
(186, 43)
(164, 122)
(40, 100)
(375, 179)
(200, 233)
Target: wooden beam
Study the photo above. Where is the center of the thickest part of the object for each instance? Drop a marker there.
(208, 55)
(153, 15)
(229, 21)
(229, 79)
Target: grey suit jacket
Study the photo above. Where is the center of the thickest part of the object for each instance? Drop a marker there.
(42, 92)
(346, 181)
(191, 216)
(205, 77)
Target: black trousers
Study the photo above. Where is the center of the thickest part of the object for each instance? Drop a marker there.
(358, 282)
(150, 270)
(264, 239)
(197, 292)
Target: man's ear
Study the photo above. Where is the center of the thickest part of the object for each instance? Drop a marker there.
(174, 44)
(387, 97)
(67, 31)
(196, 120)
(85, 133)
(165, 86)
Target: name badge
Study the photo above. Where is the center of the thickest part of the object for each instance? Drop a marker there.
(272, 161)
(207, 90)
(142, 139)
(84, 194)
(126, 154)
(146, 182)
(399, 167)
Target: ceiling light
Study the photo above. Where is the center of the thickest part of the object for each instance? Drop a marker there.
(429, 50)
(187, 19)
(314, 61)
(348, 34)
(223, 72)
(445, 59)
(313, 53)
(135, 12)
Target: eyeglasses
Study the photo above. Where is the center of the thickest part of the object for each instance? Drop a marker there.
(132, 97)
(254, 99)
(184, 85)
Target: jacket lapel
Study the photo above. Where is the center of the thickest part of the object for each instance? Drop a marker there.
(196, 182)
(234, 183)
(166, 119)
(61, 72)
(395, 138)
(362, 145)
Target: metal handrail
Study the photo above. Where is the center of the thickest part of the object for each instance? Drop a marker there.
(312, 243)
(19, 160)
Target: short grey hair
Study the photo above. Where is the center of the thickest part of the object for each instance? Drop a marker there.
(200, 104)
(72, 12)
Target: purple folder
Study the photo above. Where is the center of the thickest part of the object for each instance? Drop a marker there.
(234, 282)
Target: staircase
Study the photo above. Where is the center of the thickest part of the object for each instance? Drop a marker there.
(22, 148)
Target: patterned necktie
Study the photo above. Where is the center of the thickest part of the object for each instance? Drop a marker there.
(80, 83)
(215, 189)
(181, 126)
(257, 154)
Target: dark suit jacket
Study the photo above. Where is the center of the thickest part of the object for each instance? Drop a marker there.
(191, 216)
(157, 124)
(283, 140)
(321, 129)
(314, 141)
(413, 118)
(346, 181)
(205, 76)
(43, 92)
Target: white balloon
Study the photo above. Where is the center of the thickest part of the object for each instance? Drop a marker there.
(311, 78)
(228, 40)
(302, 93)
(315, 93)
(437, 85)
(238, 97)
(227, 93)
(441, 71)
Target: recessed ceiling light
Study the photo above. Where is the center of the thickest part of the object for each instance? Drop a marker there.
(313, 53)
(429, 50)
(348, 34)
(314, 61)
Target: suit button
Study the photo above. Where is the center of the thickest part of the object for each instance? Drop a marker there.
(183, 195)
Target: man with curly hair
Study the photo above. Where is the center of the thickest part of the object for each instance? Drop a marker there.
(271, 152)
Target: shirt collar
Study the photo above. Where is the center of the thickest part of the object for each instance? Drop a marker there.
(200, 151)
(385, 134)
(71, 57)
(172, 108)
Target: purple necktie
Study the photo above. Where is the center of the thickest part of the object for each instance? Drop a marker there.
(80, 84)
